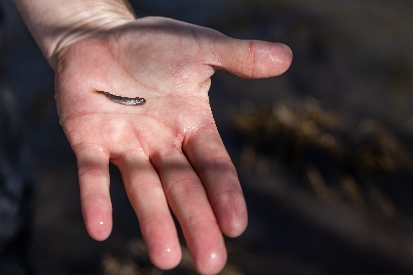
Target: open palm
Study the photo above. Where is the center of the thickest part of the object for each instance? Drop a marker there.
(168, 150)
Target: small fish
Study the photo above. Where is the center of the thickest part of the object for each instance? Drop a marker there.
(122, 100)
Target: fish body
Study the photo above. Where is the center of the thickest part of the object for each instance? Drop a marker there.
(123, 100)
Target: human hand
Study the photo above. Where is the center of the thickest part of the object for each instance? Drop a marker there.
(169, 151)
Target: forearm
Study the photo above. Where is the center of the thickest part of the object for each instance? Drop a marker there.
(55, 24)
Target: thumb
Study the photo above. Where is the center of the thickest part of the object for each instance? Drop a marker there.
(252, 58)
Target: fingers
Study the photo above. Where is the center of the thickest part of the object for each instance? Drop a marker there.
(189, 202)
(210, 159)
(147, 197)
(251, 58)
(93, 173)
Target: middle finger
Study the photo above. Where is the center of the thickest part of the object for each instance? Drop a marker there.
(188, 200)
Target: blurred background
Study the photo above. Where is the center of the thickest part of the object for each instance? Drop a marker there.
(324, 152)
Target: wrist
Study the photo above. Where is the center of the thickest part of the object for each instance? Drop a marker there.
(57, 24)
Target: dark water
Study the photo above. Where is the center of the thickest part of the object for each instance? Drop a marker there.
(353, 59)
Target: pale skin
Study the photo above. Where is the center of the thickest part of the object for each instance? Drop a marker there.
(169, 151)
